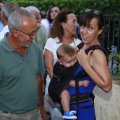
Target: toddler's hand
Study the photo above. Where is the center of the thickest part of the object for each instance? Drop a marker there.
(86, 83)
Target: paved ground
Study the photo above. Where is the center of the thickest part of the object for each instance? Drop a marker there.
(107, 105)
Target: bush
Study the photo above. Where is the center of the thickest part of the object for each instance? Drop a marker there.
(117, 68)
(77, 6)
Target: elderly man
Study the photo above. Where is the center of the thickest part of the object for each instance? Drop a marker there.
(7, 9)
(41, 34)
(21, 68)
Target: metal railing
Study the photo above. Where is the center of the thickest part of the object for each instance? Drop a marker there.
(112, 31)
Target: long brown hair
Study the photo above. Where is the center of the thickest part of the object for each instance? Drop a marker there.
(57, 29)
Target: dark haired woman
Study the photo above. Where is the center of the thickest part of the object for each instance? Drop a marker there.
(94, 63)
(63, 31)
(52, 13)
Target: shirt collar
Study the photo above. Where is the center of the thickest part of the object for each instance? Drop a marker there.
(6, 44)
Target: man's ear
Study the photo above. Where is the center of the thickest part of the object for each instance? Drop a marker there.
(14, 32)
(60, 62)
(1, 15)
(63, 25)
(4, 17)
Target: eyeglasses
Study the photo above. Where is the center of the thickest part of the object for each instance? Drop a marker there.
(96, 12)
(30, 35)
(38, 18)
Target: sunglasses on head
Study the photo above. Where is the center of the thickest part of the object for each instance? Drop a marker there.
(96, 12)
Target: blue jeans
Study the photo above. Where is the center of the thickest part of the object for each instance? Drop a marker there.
(30, 115)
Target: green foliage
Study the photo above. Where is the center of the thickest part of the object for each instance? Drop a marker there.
(117, 58)
(77, 6)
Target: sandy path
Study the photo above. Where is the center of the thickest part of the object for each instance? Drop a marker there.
(107, 105)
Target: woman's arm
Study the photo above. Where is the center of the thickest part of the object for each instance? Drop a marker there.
(95, 64)
(49, 62)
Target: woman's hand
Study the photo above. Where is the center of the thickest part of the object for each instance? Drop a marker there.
(83, 58)
(95, 65)
(85, 83)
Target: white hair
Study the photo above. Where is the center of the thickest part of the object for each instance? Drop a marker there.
(8, 8)
(15, 19)
(30, 8)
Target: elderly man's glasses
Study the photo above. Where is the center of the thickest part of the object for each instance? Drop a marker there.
(30, 35)
(96, 12)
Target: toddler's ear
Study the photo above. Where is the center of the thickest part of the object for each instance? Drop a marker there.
(76, 49)
(60, 62)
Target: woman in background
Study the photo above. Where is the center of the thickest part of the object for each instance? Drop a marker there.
(94, 63)
(63, 31)
(52, 13)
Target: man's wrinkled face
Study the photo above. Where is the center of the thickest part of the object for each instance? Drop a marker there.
(27, 34)
(37, 16)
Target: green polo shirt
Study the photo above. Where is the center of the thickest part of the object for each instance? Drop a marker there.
(18, 77)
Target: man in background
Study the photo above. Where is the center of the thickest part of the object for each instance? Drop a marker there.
(7, 9)
(41, 34)
(21, 69)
